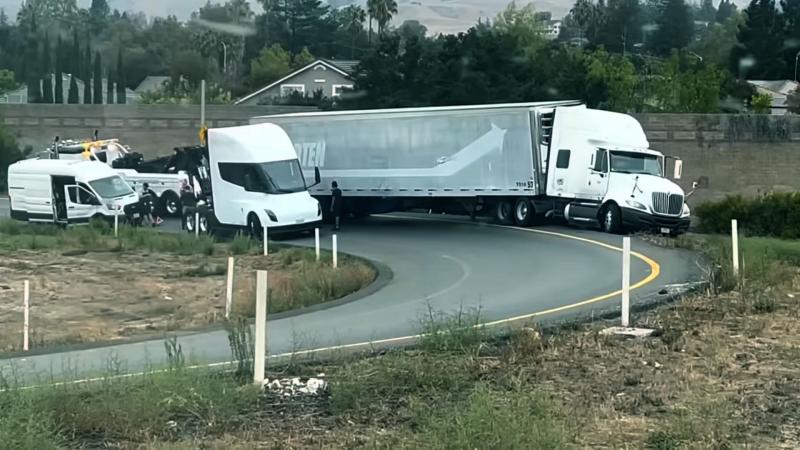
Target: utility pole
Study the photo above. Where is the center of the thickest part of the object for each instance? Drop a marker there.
(796, 58)
(224, 57)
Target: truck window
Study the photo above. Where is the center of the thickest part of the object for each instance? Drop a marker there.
(244, 175)
(562, 162)
(73, 194)
(601, 160)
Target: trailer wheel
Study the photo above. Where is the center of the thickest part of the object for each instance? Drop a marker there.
(254, 227)
(611, 219)
(170, 203)
(503, 212)
(523, 212)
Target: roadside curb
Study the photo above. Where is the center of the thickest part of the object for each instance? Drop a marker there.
(384, 276)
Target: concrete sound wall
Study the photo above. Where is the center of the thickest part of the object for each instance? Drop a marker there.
(152, 130)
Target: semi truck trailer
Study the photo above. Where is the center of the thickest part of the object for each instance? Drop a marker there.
(517, 163)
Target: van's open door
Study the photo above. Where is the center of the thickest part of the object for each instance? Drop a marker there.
(81, 204)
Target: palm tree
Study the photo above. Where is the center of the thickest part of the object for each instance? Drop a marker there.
(354, 17)
(372, 11)
(385, 10)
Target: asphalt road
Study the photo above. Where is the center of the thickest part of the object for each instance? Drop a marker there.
(444, 265)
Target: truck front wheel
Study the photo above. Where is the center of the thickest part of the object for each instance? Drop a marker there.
(170, 204)
(254, 227)
(611, 219)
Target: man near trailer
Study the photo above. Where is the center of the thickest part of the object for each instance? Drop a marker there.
(336, 204)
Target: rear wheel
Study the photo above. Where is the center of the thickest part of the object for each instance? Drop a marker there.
(523, 212)
(503, 212)
(611, 219)
(170, 204)
(189, 222)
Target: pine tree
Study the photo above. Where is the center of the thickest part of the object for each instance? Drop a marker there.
(98, 79)
(74, 97)
(707, 11)
(3, 18)
(59, 95)
(759, 53)
(86, 75)
(74, 66)
(110, 88)
(32, 73)
(675, 27)
(47, 80)
(121, 80)
(791, 23)
(726, 10)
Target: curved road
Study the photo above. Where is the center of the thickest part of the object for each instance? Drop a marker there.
(505, 272)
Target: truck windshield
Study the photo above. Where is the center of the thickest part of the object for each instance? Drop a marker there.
(640, 163)
(284, 177)
(111, 187)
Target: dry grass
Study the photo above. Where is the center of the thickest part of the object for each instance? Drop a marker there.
(101, 296)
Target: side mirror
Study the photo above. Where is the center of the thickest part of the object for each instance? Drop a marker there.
(678, 169)
(317, 176)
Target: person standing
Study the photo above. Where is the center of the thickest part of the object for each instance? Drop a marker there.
(149, 200)
(336, 204)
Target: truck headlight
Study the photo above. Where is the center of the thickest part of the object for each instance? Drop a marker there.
(686, 211)
(635, 204)
(271, 215)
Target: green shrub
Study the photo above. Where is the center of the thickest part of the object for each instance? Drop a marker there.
(241, 244)
(775, 215)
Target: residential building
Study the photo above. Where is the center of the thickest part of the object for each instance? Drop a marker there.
(779, 90)
(330, 77)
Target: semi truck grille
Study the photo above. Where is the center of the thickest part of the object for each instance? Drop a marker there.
(664, 203)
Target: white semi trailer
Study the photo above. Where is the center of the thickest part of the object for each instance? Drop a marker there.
(515, 162)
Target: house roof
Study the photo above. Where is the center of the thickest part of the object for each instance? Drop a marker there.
(346, 65)
(333, 65)
(778, 89)
(151, 83)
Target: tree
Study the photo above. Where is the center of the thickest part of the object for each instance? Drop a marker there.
(59, 73)
(384, 11)
(791, 19)
(98, 16)
(122, 97)
(520, 24)
(73, 96)
(109, 88)
(46, 65)
(682, 84)
(707, 12)
(761, 103)
(74, 62)
(7, 82)
(300, 23)
(583, 14)
(302, 59)
(3, 18)
(273, 63)
(725, 11)
(759, 53)
(86, 75)
(674, 27)
(622, 27)
(717, 41)
(611, 82)
(794, 101)
(354, 17)
(98, 79)
(372, 12)
(412, 29)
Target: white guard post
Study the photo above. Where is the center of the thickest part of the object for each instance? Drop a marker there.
(260, 353)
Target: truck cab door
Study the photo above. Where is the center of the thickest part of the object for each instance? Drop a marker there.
(597, 181)
(81, 204)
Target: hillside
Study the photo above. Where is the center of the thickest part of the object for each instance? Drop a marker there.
(440, 16)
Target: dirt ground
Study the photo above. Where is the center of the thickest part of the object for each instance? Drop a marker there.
(107, 296)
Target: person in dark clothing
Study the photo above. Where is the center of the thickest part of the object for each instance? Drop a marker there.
(149, 199)
(336, 203)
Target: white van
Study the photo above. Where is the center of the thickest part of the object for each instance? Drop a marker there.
(255, 180)
(64, 192)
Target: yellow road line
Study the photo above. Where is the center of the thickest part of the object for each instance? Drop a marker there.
(655, 271)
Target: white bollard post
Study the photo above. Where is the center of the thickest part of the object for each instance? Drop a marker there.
(735, 245)
(316, 241)
(116, 221)
(260, 353)
(335, 253)
(266, 239)
(26, 315)
(626, 281)
(229, 289)
(197, 224)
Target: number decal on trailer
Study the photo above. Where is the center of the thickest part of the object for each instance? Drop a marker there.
(525, 184)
